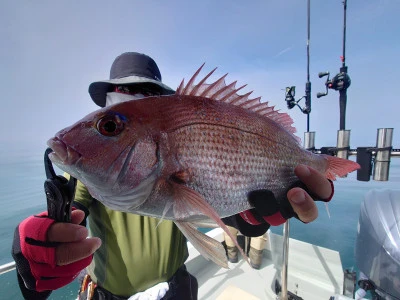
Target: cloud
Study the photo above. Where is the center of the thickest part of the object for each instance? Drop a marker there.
(283, 51)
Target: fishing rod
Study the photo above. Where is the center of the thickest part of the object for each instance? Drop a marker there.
(291, 90)
(341, 81)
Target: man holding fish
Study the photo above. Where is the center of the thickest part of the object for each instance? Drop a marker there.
(126, 186)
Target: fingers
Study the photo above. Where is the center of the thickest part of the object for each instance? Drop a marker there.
(303, 204)
(300, 200)
(68, 253)
(315, 181)
(74, 244)
(68, 232)
(77, 216)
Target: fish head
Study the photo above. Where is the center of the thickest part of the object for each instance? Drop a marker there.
(110, 152)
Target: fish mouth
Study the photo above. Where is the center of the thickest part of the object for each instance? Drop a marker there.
(62, 153)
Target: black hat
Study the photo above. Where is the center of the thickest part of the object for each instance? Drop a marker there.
(127, 69)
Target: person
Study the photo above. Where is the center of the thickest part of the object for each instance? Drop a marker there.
(130, 255)
(255, 251)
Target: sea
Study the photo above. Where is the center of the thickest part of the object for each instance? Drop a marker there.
(22, 177)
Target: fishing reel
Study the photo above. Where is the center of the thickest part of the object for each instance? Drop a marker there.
(338, 83)
(292, 102)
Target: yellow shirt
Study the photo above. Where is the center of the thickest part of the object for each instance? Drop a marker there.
(137, 252)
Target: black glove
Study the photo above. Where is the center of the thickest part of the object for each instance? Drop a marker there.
(267, 211)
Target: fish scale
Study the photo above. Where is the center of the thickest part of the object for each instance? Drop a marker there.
(227, 168)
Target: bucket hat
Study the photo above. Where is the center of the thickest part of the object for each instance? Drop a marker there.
(129, 68)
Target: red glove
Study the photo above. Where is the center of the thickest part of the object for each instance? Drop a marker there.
(35, 256)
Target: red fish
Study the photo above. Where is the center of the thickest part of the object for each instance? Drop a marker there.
(188, 157)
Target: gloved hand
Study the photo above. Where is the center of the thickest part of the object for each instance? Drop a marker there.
(50, 255)
(299, 204)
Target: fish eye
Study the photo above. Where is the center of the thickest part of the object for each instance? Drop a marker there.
(110, 125)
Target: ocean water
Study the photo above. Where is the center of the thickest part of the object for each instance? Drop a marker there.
(21, 195)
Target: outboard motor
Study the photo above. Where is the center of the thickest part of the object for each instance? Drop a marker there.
(377, 248)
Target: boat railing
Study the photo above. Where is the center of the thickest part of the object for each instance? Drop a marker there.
(7, 267)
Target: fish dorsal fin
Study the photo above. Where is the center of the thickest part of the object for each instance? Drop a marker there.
(220, 91)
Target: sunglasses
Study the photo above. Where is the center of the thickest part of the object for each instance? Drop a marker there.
(136, 89)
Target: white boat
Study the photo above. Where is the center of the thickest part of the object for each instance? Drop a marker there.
(313, 272)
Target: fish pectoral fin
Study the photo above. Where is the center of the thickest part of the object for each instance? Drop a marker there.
(188, 202)
(210, 248)
(182, 176)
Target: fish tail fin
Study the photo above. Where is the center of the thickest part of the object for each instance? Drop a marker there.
(339, 167)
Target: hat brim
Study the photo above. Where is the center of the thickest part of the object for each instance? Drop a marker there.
(99, 89)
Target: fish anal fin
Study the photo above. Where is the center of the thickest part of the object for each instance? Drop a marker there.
(187, 202)
(208, 247)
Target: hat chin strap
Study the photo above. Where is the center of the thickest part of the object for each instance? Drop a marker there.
(114, 98)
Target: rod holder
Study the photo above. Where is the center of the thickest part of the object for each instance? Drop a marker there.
(343, 143)
(383, 149)
(364, 159)
(309, 140)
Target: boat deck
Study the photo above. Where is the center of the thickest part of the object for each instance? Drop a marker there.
(313, 272)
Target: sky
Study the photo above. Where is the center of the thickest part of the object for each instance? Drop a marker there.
(52, 50)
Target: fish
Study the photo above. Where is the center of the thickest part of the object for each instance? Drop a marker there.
(191, 157)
